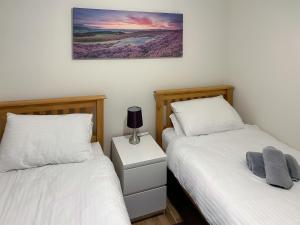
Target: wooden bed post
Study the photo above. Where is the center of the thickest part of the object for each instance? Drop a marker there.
(100, 122)
(229, 96)
(159, 120)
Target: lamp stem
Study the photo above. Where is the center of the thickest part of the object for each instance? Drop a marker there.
(134, 138)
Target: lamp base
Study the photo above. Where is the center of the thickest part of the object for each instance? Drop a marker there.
(134, 138)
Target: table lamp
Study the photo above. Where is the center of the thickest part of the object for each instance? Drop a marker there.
(134, 121)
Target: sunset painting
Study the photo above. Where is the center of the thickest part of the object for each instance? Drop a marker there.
(107, 34)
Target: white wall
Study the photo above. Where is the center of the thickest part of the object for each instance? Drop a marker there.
(36, 62)
(264, 64)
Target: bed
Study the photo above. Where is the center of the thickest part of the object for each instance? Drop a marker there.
(75, 193)
(213, 172)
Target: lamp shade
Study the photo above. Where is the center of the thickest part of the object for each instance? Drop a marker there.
(134, 117)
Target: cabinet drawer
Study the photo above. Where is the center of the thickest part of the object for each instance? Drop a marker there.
(147, 202)
(144, 177)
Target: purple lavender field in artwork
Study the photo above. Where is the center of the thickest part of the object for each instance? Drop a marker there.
(106, 34)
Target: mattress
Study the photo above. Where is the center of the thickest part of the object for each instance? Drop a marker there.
(86, 193)
(212, 169)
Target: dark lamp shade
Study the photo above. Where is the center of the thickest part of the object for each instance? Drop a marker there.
(134, 117)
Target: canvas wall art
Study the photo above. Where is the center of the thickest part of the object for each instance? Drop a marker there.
(108, 34)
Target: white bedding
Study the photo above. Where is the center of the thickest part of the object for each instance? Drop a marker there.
(168, 135)
(212, 169)
(86, 193)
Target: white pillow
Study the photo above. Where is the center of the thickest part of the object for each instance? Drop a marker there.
(34, 140)
(206, 116)
(176, 125)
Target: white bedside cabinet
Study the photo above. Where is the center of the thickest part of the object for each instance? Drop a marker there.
(142, 170)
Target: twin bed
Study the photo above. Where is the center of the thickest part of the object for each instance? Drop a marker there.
(213, 172)
(211, 169)
(84, 193)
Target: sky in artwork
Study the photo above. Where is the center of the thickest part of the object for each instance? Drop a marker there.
(114, 19)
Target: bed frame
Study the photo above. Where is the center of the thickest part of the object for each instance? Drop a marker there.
(59, 106)
(164, 98)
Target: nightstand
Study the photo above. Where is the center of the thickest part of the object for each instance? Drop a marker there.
(142, 170)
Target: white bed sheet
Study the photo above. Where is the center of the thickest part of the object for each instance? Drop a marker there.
(168, 135)
(212, 169)
(86, 193)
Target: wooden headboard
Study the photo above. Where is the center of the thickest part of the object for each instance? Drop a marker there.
(57, 106)
(164, 98)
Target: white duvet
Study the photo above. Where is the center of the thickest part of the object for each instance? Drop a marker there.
(212, 168)
(86, 193)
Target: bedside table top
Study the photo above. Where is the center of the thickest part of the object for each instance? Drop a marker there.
(144, 153)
